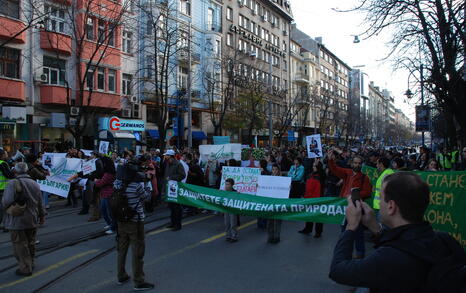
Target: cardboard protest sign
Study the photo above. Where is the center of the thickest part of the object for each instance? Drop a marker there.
(88, 166)
(245, 178)
(103, 147)
(314, 146)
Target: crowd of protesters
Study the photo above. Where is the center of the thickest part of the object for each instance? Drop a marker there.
(337, 173)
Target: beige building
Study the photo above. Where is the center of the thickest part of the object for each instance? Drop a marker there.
(257, 40)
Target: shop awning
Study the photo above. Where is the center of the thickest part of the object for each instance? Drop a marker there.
(199, 135)
(153, 133)
(123, 135)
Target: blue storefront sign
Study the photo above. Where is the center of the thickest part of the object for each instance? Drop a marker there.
(116, 124)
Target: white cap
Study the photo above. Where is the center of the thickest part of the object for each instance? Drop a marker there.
(169, 153)
(157, 150)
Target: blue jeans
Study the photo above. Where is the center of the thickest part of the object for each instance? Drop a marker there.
(45, 198)
(359, 244)
(106, 213)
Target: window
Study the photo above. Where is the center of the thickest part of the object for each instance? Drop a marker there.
(90, 28)
(111, 34)
(101, 31)
(10, 8)
(210, 18)
(229, 13)
(111, 80)
(126, 84)
(55, 19)
(101, 79)
(182, 77)
(217, 47)
(127, 41)
(229, 39)
(253, 27)
(9, 62)
(90, 77)
(55, 70)
(185, 7)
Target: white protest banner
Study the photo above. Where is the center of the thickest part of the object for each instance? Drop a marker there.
(314, 146)
(245, 178)
(47, 159)
(220, 153)
(103, 147)
(61, 169)
(273, 186)
(88, 166)
(55, 185)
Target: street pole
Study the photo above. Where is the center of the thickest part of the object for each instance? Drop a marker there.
(190, 130)
(270, 103)
(422, 95)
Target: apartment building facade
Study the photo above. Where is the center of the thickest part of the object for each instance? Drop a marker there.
(257, 37)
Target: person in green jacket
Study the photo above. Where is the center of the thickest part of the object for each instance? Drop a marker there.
(383, 165)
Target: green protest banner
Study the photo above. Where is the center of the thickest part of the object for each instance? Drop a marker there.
(323, 209)
(447, 209)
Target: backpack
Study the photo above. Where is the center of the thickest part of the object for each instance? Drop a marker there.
(447, 274)
(119, 206)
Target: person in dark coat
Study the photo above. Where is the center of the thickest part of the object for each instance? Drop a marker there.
(404, 199)
(173, 171)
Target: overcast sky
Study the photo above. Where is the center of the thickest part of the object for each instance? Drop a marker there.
(317, 19)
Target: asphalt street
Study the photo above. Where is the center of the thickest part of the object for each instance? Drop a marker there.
(76, 256)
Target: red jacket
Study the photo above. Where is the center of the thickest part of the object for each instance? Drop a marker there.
(106, 185)
(313, 187)
(351, 180)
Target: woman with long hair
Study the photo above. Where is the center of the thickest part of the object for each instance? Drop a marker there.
(314, 188)
(106, 189)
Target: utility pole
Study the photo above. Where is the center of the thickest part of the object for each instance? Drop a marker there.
(422, 95)
(190, 113)
(270, 103)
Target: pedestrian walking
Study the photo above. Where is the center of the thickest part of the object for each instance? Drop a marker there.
(24, 213)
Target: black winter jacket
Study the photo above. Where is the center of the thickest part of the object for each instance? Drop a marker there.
(387, 269)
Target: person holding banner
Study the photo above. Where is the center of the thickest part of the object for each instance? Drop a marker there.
(297, 178)
(315, 187)
(274, 226)
(173, 171)
(231, 224)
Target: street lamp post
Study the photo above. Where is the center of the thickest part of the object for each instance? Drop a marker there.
(270, 102)
(422, 97)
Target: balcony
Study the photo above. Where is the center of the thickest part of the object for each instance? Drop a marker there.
(214, 27)
(183, 57)
(12, 89)
(53, 94)
(301, 78)
(102, 100)
(10, 30)
(56, 42)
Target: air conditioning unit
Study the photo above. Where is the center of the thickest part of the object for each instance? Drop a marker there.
(126, 113)
(136, 111)
(74, 111)
(285, 32)
(134, 99)
(263, 18)
(240, 2)
(252, 54)
(41, 78)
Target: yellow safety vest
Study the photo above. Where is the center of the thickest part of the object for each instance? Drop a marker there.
(3, 179)
(378, 188)
(445, 163)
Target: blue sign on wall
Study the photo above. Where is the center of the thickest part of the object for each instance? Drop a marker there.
(221, 139)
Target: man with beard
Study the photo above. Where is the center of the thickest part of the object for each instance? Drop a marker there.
(353, 179)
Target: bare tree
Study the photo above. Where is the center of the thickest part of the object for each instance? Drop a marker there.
(428, 33)
(167, 43)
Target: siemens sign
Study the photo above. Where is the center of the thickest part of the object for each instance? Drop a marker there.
(116, 124)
